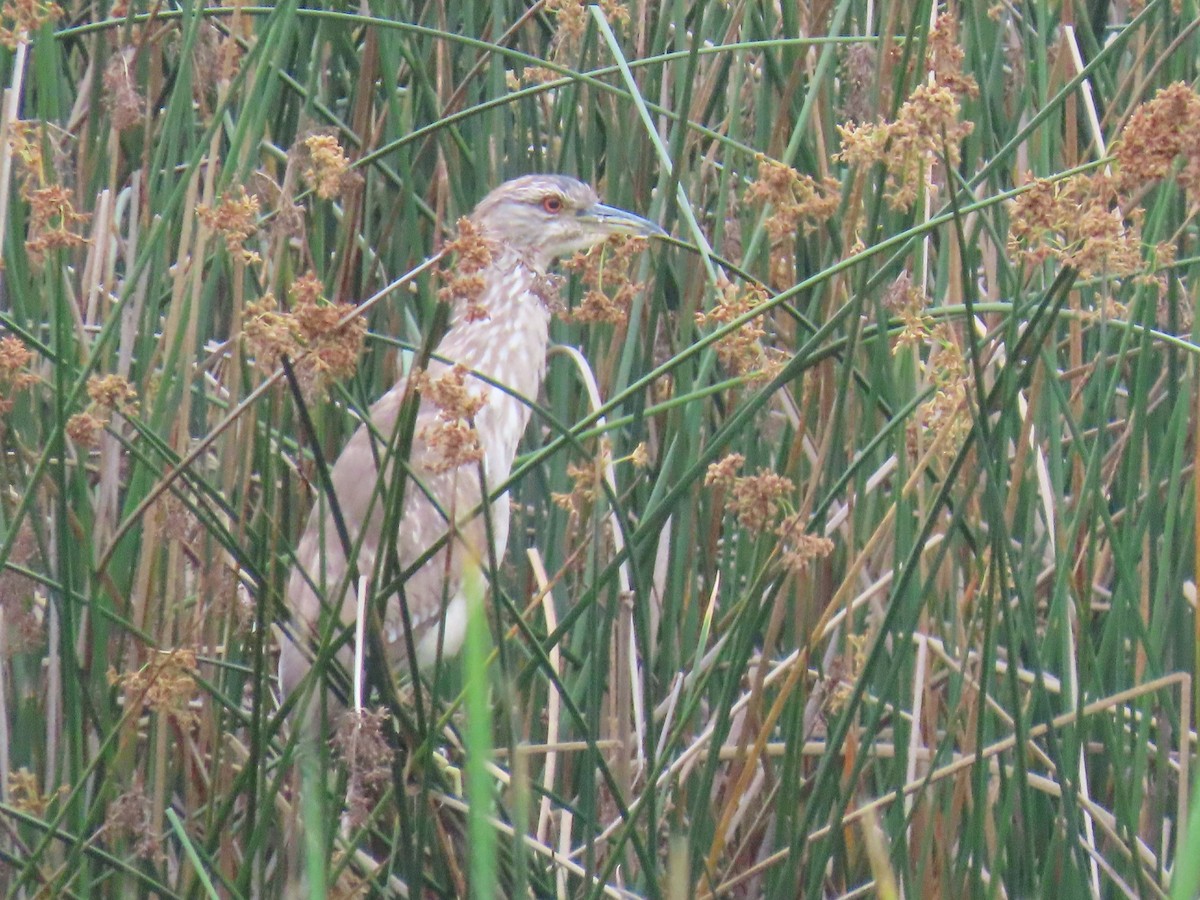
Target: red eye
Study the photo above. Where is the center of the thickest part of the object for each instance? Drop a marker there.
(552, 204)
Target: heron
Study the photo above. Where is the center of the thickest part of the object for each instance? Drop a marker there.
(498, 335)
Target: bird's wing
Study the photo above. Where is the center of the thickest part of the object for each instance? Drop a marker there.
(319, 581)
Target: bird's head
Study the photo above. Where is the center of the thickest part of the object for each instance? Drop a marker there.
(548, 216)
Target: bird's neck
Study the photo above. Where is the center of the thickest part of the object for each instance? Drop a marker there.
(503, 332)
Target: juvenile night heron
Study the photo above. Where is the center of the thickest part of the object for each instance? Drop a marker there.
(501, 332)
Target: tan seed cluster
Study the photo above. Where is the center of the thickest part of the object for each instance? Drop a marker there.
(108, 393)
(84, 429)
(1160, 131)
(15, 358)
(1078, 222)
(52, 220)
(125, 104)
(946, 360)
(597, 308)
(927, 124)
(474, 251)
(235, 218)
(945, 416)
(610, 258)
(741, 351)
(1090, 222)
(909, 304)
(26, 795)
(27, 137)
(452, 444)
(166, 685)
(529, 75)
(321, 348)
(756, 502)
(584, 484)
(328, 171)
(360, 742)
(799, 203)
(270, 333)
(1107, 308)
(944, 58)
(724, 470)
(606, 272)
(20, 18)
(451, 438)
(450, 394)
(130, 817)
(465, 284)
(571, 21)
(111, 392)
(799, 547)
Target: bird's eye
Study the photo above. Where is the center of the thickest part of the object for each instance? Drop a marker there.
(552, 204)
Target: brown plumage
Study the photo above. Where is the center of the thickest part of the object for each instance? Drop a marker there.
(502, 333)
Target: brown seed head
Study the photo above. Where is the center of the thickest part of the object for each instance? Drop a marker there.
(52, 217)
(14, 356)
(25, 794)
(585, 481)
(470, 253)
(311, 335)
(606, 273)
(21, 18)
(798, 546)
(571, 21)
(450, 394)
(360, 743)
(328, 172)
(166, 685)
(741, 351)
(724, 470)
(1079, 222)
(111, 392)
(530, 75)
(84, 429)
(126, 106)
(14, 377)
(1159, 131)
(927, 125)
(235, 218)
(451, 438)
(131, 817)
(756, 500)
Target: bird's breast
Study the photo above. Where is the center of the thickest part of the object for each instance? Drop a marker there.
(507, 346)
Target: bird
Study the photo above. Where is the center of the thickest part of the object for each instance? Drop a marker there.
(498, 332)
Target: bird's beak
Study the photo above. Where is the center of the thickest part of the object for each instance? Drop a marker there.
(611, 220)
